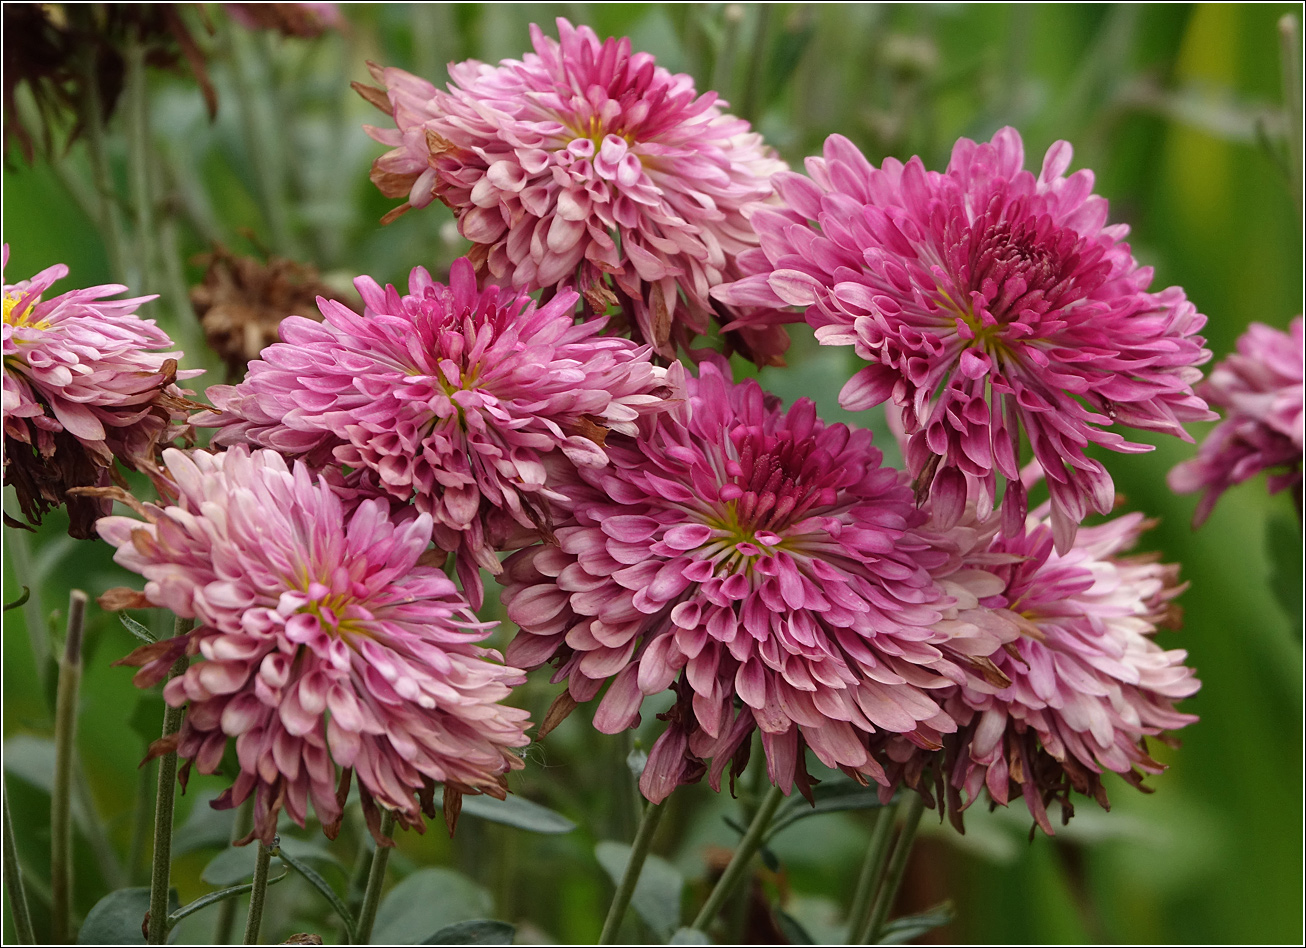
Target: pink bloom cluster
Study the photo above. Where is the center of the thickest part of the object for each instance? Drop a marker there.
(738, 551)
(326, 643)
(1260, 389)
(586, 165)
(1086, 682)
(987, 302)
(449, 396)
(85, 380)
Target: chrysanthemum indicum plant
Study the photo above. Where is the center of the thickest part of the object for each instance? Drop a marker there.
(669, 542)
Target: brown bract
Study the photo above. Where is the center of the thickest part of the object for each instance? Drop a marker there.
(242, 301)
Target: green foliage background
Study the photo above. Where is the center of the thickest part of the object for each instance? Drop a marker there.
(1163, 102)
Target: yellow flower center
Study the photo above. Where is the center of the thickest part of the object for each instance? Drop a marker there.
(21, 319)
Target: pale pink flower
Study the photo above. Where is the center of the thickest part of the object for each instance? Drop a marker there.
(447, 396)
(988, 302)
(85, 380)
(1260, 389)
(1087, 683)
(763, 565)
(326, 644)
(587, 166)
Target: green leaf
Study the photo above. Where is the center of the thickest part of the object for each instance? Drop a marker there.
(514, 811)
(426, 902)
(1283, 541)
(117, 918)
(213, 898)
(236, 863)
(31, 759)
(205, 827)
(657, 894)
(316, 881)
(481, 931)
(136, 629)
(147, 717)
(689, 936)
(830, 797)
(902, 930)
(793, 929)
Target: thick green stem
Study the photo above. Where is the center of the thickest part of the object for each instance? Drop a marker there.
(14, 882)
(257, 895)
(872, 870)
(61, 796)
(227, 910)
(648, 825)
(741, 861)
(375, 882)
(912, 806)
(160, 873)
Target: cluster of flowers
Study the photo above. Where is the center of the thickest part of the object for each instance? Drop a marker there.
(674, 533)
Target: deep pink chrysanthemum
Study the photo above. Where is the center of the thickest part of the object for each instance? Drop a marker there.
(1260, 389)
(1087, 681)
(325, 643)
(84, 382)
(586, 165)
(988, 302)
(744, 552)
(447, 395)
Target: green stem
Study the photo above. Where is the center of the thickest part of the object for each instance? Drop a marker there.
(872, 870)
(163, 806)
(140, 824)
(14, 882)
(227, 910)
(257, 895)
(375, 882)
(648, 825)
(97, 149)
(1289, 51)
(61, 798)
(741, 861)
(912, 806)
(19, 547)
(138, 161)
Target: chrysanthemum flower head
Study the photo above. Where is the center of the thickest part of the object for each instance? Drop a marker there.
(589, 166)
(762, 564)
(1260, 389)
(987, 302)
(327, 646)
(446, 395)
(85, 380)
(1087, 683)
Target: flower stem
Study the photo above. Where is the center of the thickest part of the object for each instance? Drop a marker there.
(911, 807)
(138, 161)
(97, 149)
(1289, 52)
(872, 871)
(163, 804)
(227, 910)
(14, 882)
(257, 895)
(375, 881)
(648, 824)
(740, 862)
(65, 733)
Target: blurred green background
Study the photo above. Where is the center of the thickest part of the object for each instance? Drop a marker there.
(1177, 108)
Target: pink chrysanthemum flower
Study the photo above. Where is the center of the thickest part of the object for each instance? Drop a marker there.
(763, 564)
(1087, 682)
(326, 644)
(447, 395)
(588, 166)
(85, 380)
(1260, 389)
(988, 302)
